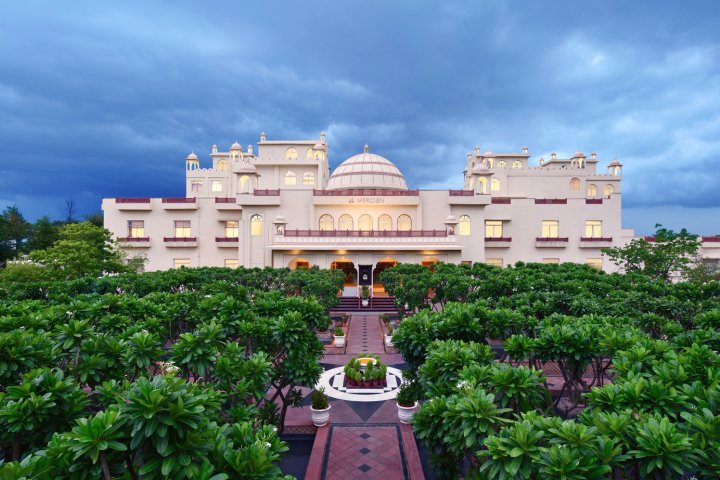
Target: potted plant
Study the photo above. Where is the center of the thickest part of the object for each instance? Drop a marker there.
(339, 337)
(406, 399)
(388, 336)
(320, 408)
(365, 295)
(385, 318)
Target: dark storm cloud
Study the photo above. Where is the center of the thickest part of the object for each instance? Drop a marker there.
(102, 100)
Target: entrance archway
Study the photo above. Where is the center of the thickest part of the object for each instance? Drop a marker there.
(350, 281)
(381, 266)
(429, 262)
(299, 264)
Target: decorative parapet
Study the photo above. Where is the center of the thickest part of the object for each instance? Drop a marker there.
(594, 201)
(134, 242)
(179, 203)
(227, 242)
(180, 242)
(501, 200)
(497, 242)
(267, 192)
(551, 242)
(133, 203)
(365, 234)
(461, 193)
(711, 242)
(366, 192)
(595, 242)
(362, 240)
(550, 201)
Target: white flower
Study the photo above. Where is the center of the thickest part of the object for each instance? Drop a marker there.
(267, 445)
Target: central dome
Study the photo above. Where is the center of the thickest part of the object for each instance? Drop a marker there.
(367, 170)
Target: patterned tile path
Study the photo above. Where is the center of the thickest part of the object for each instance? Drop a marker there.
(365, 335)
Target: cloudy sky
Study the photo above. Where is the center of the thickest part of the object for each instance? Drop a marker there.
(105, 99)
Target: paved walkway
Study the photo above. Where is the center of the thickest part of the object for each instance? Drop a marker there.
(364, 451)
(365, 335)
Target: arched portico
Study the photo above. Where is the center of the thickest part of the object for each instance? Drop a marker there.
(380, 266)
(349, 269)
(299, 264)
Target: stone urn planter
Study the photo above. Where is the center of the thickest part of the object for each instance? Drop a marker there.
(339, 337)
(405, 414)
(321, 417)
(365, 302)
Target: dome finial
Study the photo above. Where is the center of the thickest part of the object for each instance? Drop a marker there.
(366, 149)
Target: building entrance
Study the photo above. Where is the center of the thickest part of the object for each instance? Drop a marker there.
(350, 281)
(381, 266)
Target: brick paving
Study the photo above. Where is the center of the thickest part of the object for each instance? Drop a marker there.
(365, 335)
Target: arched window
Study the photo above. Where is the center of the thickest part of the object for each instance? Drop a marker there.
(290, 154)
(384, 223)
(309, 153)
(483, 184)
(365, 223)
(575, 184)
(495, 185)
(490, 161)
(608, 190)
(591, 190)
(290, 178)
(345, 222)
(299, 264)
(308, 178)
(501, 163)
(222, 165)
(464, 225)
(327, 222)
(243, 183)
(256, 225)
(404, 223)
(517, 164)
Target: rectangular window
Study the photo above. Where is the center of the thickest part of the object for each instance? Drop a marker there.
(181, 262)
(136, 228)
(182, 228)
(196, 187)
(231, 229)
(495, 262)
(216, 186)
(551, 260)
(493, 228)
(466, 262)
(593, 229)
(231, 263)
(594, 263)
(550, 229)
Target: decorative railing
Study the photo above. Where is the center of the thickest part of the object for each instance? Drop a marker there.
(227, 239)
(550, 201)
(711, 239)
(179, 200)
(596, 239)
(366, 192)
(224, 199)
(365, 234)
(500, 200)
(594, 201)
(180, 239)
(132, 200)
(498, 239)
(133, 239)
(461, 193)
(267, 192)
(552, 239)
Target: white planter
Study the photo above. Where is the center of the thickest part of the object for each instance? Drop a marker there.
(405, 414)
(320, 418)
(339, 341)
(388, 340)
(365, 302)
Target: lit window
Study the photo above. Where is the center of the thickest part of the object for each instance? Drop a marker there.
(483, 184)
(516, 164)
(593, 229)
(231, 263)
(501, 163)
(290, 178)
(490, 161)
(495, 262)
(591, 190)
(595, 263)
(181, 262)
(345, 223)
(464, 225)
(308, 178)
(495, 185)
(291, 154)
(575, 184)
(309, 153)
(551, 260)
(256, 225)
(365, 223)
(196, 187)
(136, 228)
(609, 190)
(222, 165)
(550, 229)
(231, 229)
(493, 228)
(327, 222)
(243, 182)
(182, 228)
(216, 186)
(384, 223)
(404, 223)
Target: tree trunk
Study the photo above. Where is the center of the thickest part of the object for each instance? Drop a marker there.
(16, 448)
(105, 467)
(130, 466)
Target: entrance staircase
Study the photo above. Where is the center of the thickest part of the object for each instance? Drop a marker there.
(376, 305)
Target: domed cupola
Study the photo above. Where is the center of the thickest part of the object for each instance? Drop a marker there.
(367, 170)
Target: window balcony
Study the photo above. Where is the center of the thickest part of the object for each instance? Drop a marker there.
(133, 204)
(497, 242)
(226, 203)
(267, 192)
(181, 203)
(461, 193)
(710, 242)
(551, 201)
(227, 242)
(501, 200)
(595, 242)
(594, 201)
(180, 242)
(551, 242)
(296, 239)
(134, 242)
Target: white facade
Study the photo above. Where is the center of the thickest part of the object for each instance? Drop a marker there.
(280, 206)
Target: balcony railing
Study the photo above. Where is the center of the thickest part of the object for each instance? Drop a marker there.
(179, 200)
(132, 200)
(461, 193)
(594, 201)
(365, 234)
(365, 192)
(227, 239)
(596, 239)
(180, 239)
(550, 201)
(498, 239)
(711, 239)
(267, 192)
(500, 200)
(552, 239)
(133, 239)
(224, 199)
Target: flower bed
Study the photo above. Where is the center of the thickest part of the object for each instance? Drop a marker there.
(365, 372)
